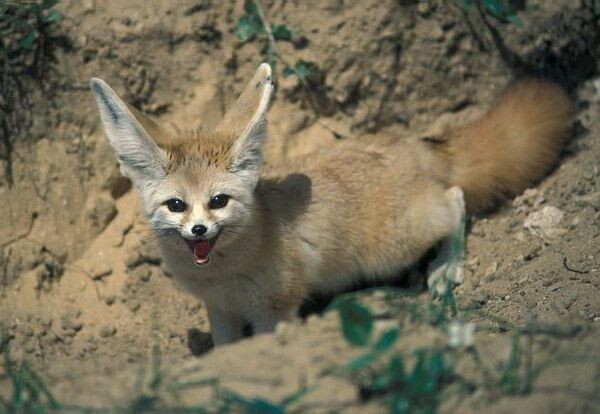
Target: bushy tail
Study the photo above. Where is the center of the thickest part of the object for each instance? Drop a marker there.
(511, 146)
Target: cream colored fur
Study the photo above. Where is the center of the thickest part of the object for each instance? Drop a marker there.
(364, 209)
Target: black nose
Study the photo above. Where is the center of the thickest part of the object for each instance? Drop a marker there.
(199, 230)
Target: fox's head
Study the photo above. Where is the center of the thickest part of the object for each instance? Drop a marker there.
(197, 189)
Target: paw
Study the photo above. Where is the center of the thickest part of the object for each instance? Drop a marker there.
(447, 269)
(443, 272)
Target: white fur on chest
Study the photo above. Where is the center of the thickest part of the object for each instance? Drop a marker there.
(235, 283)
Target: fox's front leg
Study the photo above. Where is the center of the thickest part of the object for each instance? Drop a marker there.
(267, 321)
(448, 266)
(225, 327)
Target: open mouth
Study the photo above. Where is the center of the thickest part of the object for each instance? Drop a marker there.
(202, 250)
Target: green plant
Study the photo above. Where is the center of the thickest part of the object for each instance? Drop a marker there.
(253, 25)
(29, 393)
(518, 374)
(415, 390)
(25, 48)
(383, 372)
(24, 26)
(502, 10)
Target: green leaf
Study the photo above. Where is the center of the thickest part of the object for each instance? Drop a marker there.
(419, 373)
(34, 8)
(380, 382)
(386, 340)
(303, 69)
(247, 27)
(494, 8)
(360, 362)
(400, 404)
(466, 5)
(249, 24)
(260, 406)
(292, 398)
(435, 372)
(53, 16)
(287, 71)
(501, 10)
(251, 9)
(396, 369)
(28, 41)
(47, 4)
(307, 71)
(509, 382)
(281, 32)
(249, 406)
(514, 19)
(357, 321)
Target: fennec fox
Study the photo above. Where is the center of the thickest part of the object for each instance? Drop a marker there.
(252, 243)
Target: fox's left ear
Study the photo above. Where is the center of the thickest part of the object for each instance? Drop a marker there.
(129, 133)
(246, 120)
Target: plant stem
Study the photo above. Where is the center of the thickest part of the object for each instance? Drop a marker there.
(306, 87)
(275, 49)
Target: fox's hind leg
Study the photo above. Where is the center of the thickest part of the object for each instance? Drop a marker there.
(447, 269)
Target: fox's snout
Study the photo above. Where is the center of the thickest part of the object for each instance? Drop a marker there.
(194, 229)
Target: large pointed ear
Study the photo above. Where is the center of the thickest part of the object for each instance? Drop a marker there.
(246, 121)
(128, 132)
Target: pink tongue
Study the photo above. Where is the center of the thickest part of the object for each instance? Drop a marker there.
(202, 250)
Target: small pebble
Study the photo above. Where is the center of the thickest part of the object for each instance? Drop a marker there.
(46, 321)
(75, 325)
(69, 333)
(107, 331)
(26, 330)
(491, 271)
(545, 222)
(133, 306)
(575, 222)
(145, 275)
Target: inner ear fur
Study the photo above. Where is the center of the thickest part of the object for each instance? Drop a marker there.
(131, 134)
(246, 120)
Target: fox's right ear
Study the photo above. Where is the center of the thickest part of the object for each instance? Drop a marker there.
(128, 133)
(246, 121)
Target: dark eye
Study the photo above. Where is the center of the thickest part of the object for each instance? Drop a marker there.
(176, 205)
(218, 201)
